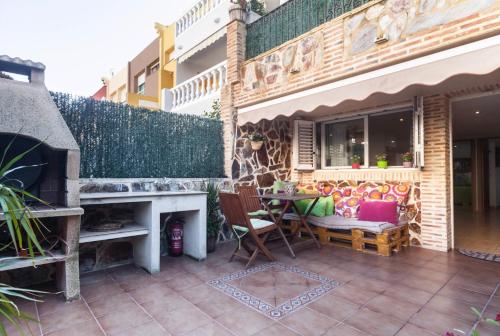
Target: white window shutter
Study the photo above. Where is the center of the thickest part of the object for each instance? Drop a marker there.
(418, 135)
(304, 145)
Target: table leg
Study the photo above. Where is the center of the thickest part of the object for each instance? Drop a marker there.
(278, 222)
(303, 221)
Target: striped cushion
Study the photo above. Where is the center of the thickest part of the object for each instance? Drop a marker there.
(260, 223)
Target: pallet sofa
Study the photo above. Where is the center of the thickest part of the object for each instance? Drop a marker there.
(382, 238)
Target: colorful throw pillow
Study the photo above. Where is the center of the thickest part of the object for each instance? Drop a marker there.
(302, 204)
(348, 206)
(396, 192)
(330, 206)
(379, 211)
(319, 209)
(339, 193)
(277, 186)
(326, 188)
(307, 188)
(369, 190)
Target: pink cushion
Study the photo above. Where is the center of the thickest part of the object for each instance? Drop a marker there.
(379, 211)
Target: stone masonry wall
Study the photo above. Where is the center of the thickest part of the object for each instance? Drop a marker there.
(345, 46)
(272, 162)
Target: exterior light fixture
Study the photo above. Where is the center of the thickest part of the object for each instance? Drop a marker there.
(381, 38)
(477, 112)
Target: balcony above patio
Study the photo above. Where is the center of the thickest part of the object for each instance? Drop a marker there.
(198, 93)
(202, 25)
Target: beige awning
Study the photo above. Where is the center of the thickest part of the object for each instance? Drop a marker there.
(453, 69)
(206, 43)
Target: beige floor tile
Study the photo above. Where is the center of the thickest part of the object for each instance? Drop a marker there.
(309, 322)
(244, 321)
(375, 323)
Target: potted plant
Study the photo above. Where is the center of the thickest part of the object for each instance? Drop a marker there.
(382, 160)
(213, 215)
(256, 140)
(407, 160)
(356, 161)
(23, 231)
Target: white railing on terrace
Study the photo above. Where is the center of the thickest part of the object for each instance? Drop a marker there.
(199, 10)
(196, 88)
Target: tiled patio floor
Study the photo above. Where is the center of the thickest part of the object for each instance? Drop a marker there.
(415, 293)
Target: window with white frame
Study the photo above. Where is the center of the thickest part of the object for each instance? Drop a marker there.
(342, 140)
(141, 83)
(391, 132)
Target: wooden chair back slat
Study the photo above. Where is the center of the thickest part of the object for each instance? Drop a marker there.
(248, 197)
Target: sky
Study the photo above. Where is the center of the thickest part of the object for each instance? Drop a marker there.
(80, 41)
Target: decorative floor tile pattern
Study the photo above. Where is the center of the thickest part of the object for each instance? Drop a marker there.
(292, 288)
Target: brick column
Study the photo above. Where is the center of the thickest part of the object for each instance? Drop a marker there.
(436, 176)
(236, 35)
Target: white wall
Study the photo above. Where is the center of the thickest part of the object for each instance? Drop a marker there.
(198, 106)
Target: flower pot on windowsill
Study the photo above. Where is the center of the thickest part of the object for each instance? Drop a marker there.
(355, 165)
(256, 145)
(408, 164)
(382, 164)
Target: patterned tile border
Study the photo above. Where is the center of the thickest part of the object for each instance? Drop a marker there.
(265, 308)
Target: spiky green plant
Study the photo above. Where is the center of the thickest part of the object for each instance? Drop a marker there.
(213, 216)
(23, 229)
(10, 311)
(22, 226)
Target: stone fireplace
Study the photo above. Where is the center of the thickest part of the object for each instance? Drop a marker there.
(28, 118)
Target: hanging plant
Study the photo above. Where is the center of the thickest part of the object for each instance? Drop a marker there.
(256, 140)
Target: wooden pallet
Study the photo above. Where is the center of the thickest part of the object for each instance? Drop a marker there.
(384, 244)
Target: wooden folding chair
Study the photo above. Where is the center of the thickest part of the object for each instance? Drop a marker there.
(249, 197)
(248, 230)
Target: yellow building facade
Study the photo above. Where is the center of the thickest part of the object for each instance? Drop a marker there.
(166, 78)
(141, 82)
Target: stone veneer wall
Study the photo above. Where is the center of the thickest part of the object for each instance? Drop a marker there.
(272, 162)
(396, 20)
(277, 68)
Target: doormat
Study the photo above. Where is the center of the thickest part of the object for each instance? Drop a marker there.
(481, 255)
(274, 289)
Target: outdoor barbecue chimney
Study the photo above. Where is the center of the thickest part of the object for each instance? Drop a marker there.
(28, 114)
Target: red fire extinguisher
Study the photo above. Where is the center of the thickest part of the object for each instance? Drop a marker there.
(175, 242)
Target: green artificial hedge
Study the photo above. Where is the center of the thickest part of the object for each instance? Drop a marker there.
(122, 141)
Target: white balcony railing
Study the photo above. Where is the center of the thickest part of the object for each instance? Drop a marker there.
(198, 11)
(201, 86)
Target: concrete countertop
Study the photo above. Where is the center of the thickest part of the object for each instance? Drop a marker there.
(128, 194)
